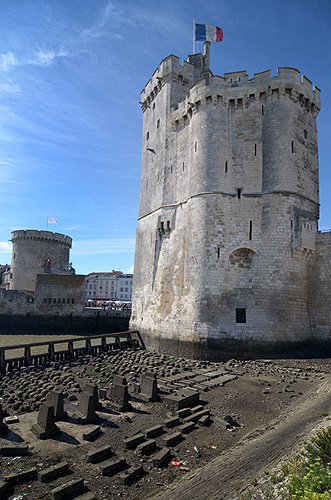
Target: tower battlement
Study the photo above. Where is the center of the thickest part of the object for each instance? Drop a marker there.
(237, 91)
(35, 235)
(170, 69)
(229, 204)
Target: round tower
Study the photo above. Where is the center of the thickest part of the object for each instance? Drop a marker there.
(37, 252)
(229, 206)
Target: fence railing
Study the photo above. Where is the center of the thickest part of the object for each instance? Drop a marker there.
(62, 350)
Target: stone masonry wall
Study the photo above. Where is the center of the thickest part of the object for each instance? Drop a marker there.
(35, 252)
(228, 211)
(320, 289)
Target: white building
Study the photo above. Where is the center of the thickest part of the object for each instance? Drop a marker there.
(108, 286)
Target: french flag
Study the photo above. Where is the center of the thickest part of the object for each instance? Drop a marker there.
(206, 32)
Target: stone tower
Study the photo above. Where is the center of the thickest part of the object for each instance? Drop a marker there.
(229, 204)
(37, 252)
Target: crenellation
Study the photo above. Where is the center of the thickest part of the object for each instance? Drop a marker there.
(228, 209)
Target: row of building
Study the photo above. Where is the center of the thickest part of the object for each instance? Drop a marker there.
(108, 286)
(41, 279)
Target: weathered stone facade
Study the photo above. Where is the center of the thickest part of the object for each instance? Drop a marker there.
(229, 204)
(41, 280)
(36, 252)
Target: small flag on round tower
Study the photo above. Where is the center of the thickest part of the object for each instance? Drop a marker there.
(52, 220)
(208, 33)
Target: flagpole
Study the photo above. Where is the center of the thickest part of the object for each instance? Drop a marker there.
(194, 35)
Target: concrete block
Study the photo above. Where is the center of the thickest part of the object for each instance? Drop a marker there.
(4, 486)
(132, 442)
(195, 417)
(186, 428)
(172, 439)
(53, 471)
(171, 422)
(161, 458)
(131, 475)
(18, 450)
(147, 447)
(184, 412)
(91, 433)
(21, 477)
(204, 420)
(153, 431)
(67, 489)
(111, 466)
(99, 454)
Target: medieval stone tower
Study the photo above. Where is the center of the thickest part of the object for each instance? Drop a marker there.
(37, 252)
(229, 205)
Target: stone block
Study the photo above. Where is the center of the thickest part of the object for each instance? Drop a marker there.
(196, 409)
(45, 427)
(56, 399)
(93, 389)
(171, 422)
(186, 428)
(161, 458)
(18, 450)
(204, 420)
(147, 447)
(53, 472)
(184, 412)
(4, 487)
(132, 442)
(22, 477)
(119, 394)
(148, 387)
(195, 417)
(154, 431)
(91, 433)
(86, 409)
(186, 399)
(110, 467)
(99, 454)
(3, 426)
(172, 439)
(12, 419)
(131, 475)
(63, 491)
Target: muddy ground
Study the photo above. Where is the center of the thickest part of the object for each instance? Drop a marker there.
(262, 392)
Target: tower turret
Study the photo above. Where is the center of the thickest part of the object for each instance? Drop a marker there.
(228, 212)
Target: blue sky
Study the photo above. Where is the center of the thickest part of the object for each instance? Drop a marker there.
(71, 72)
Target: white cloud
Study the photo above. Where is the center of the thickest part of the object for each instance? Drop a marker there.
(7, 61)
(5, 247)
(10, 88)
(43, 58)
(131, 270)
(96, 31)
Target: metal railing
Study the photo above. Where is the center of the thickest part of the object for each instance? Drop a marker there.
(74, 348)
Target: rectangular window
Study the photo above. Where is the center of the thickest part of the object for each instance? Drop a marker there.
(158, 123)
(226, 167)
(239, 193)
(147, 136)
(250, 229)
(255, 149)
(305, 134)
(218, 252)
(195, 146)
(240, 315)
(292, 147)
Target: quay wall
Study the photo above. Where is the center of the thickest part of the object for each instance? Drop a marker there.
(89, 322)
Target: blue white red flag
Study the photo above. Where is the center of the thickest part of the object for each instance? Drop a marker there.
(51, 220)
(206, 32)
